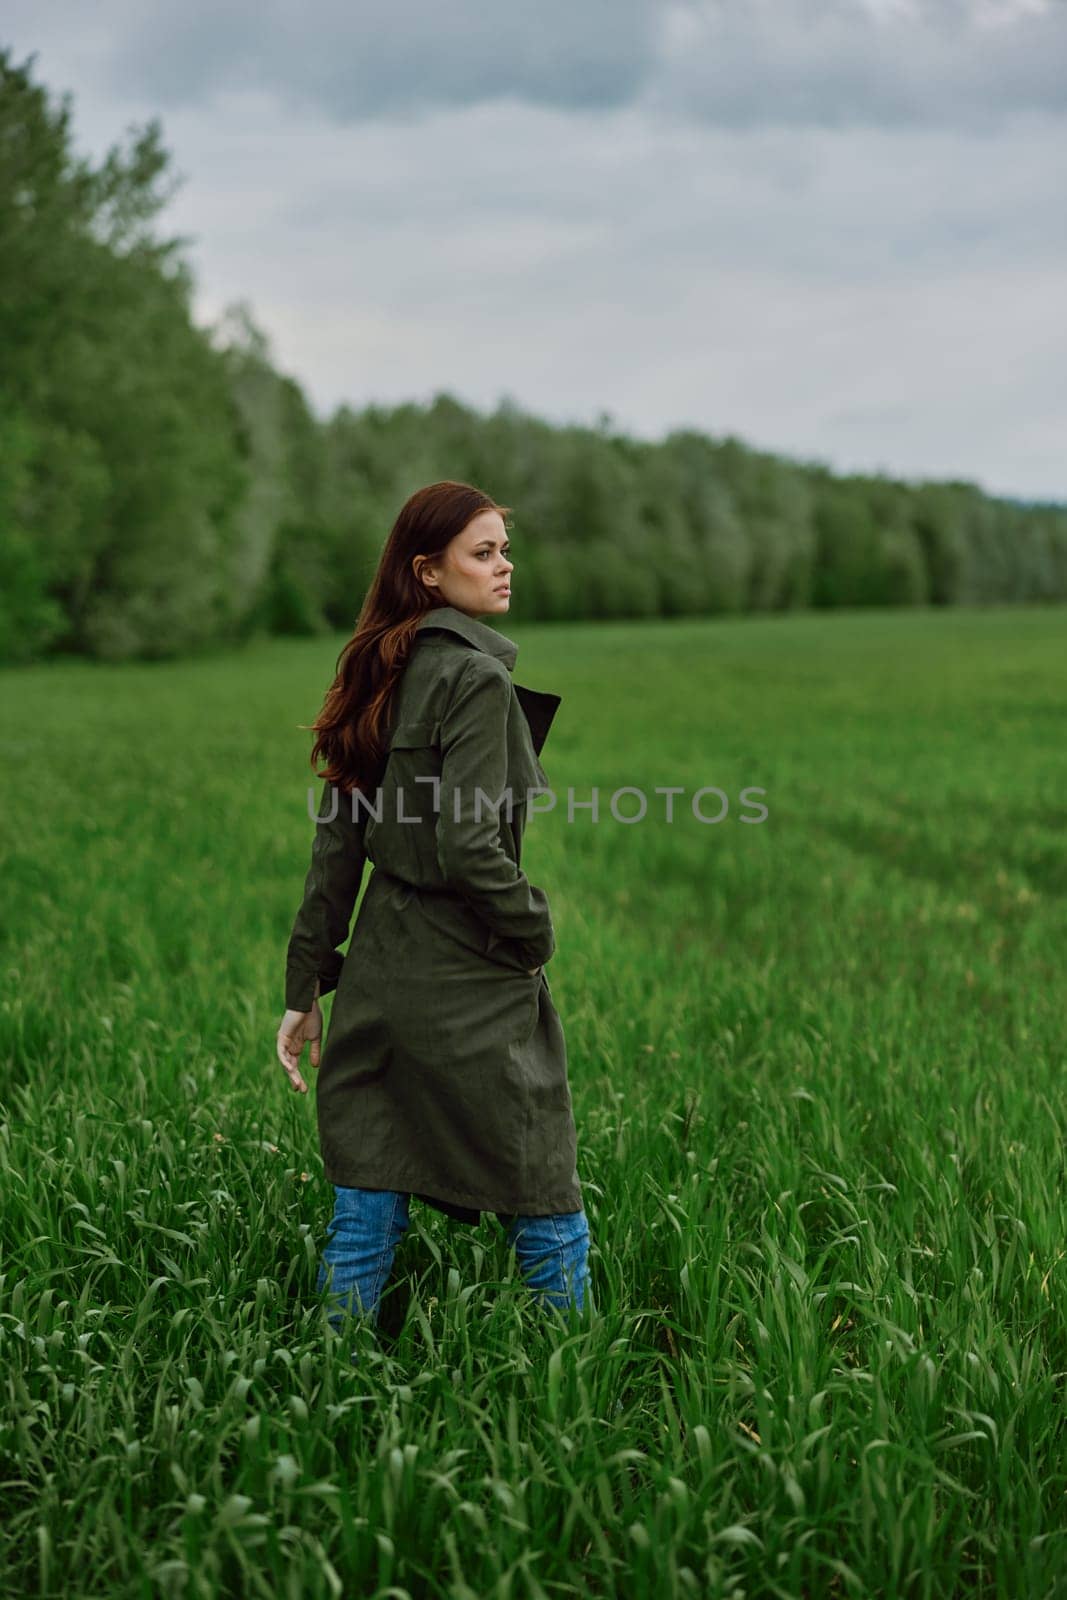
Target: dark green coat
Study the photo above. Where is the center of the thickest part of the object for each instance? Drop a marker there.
(444, 1068)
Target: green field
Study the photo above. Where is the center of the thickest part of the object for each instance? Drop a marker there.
(817, 1067)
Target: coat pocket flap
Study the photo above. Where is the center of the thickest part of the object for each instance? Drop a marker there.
(414, 735)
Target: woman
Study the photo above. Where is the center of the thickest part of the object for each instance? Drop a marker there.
(444, 1074)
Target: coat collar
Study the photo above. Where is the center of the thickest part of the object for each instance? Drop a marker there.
(479, 634)
(538, 706)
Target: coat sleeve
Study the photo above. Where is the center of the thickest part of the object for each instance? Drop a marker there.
(469, 852)
(330, 889)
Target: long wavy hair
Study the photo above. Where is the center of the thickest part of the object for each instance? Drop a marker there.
(352, 727)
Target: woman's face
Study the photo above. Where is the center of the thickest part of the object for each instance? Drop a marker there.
(474, 572)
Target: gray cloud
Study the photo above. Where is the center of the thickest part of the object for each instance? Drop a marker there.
(839, 63)
(730, 63)
(377, 58)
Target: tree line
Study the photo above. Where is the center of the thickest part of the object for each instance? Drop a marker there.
(164, 489)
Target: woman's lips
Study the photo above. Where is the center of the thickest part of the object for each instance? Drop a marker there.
(503, 588)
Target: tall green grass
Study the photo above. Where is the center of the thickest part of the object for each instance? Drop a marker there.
(817, 1071)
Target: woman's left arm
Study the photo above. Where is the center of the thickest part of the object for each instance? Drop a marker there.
(313, 959)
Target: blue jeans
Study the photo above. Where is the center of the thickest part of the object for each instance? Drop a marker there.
(368, 1224)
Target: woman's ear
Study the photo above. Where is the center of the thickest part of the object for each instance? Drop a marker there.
(424, 572)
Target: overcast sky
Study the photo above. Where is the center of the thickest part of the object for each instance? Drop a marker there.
(835, 228)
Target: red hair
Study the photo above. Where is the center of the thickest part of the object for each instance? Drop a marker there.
(350, 730)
